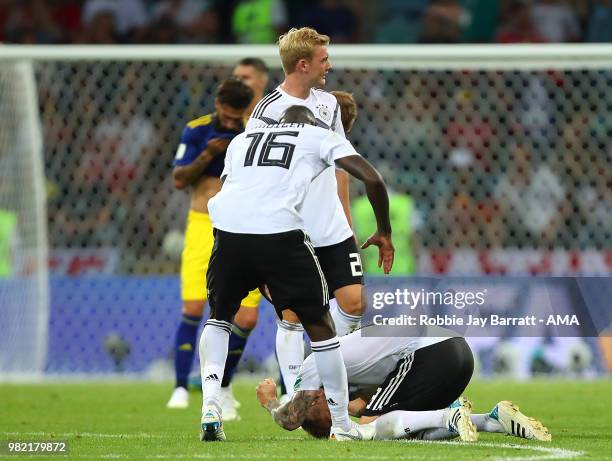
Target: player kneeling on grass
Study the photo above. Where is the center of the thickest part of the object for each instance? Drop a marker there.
(412, 387)
(259, 240)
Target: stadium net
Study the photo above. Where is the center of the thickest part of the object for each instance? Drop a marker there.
(503, 151)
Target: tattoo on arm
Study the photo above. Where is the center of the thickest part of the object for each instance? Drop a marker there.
(291, 415)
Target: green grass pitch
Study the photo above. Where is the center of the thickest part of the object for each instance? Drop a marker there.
(129, 421)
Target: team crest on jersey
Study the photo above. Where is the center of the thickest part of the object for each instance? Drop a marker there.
(324, 112)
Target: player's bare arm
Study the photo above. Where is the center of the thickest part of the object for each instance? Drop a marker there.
(342, 179)
(187, 175)
(376, 191)
(289, 416)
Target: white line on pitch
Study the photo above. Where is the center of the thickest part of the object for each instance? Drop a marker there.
(545, 452)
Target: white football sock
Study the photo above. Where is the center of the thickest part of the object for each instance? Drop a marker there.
(289, 351)
(399, 424)
(345, 323)
(484, 423)
(213, 353)
(332, 372)
(436, 434)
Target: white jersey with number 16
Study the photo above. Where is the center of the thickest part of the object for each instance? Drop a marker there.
(267, 174)
(324, 218)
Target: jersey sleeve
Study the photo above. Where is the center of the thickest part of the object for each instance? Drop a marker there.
(308, 377)
(334, 147)
(189, 146)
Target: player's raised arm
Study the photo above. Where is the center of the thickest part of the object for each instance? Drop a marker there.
(376, 191)
(193, 155)
(290, 415)
(185, 175)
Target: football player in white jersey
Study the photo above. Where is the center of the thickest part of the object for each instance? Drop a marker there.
(305, 63)
(259, 239)
(408, 393)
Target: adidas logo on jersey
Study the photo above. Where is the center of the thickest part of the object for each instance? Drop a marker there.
(212, 377)
(330, 401)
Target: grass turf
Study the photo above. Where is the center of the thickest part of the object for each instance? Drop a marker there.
(130, 421)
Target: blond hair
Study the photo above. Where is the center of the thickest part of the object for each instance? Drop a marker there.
(348, 108)
(299, 44)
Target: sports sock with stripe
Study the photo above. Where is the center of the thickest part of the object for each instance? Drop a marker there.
(289, 351)
(184, 350)
(332, 371)
(345, 323)
(213, 353)
(237, 343)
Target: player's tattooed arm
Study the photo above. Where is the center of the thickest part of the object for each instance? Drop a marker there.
(290, 415)
(186, 175)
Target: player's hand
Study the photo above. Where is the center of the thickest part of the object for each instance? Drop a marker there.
(266, 391)
(357, 407)
(217, 146)
(386, 251)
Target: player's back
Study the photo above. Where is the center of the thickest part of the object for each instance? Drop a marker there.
(369, 356)
(267, 174)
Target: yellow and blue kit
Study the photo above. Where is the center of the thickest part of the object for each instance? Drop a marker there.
(198, 234)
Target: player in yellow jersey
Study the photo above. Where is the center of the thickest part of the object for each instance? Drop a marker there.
(198, 164)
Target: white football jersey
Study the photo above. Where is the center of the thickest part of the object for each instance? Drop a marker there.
(368, 360)
(324, 218)
(267, 174)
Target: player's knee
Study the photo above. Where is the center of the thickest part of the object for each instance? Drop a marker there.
(350, 300)
(193, 308)
(246, 318)
(321, 329)
(290, 316)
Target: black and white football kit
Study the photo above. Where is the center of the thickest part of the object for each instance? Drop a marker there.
(323, 215)
(258, 222)
(407, 373)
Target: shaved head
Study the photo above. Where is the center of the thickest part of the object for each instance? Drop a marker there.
(317, 421)
(298, 114)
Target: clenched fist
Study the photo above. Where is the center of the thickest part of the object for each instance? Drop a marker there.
(266, 391)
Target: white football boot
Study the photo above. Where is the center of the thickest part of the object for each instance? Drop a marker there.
(356, 432)
(517, 424)
(211, 425)
(458, 420)
(179, 398)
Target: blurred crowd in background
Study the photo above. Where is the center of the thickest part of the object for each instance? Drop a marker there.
(489, 159)
(345, 21)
